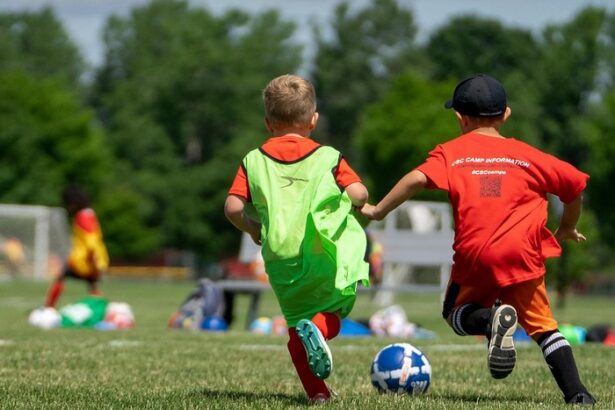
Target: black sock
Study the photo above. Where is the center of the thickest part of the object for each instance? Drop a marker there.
(559, 357)
(470, 319)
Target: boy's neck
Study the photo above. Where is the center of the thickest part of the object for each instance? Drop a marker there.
(293, 132)
(488, 131)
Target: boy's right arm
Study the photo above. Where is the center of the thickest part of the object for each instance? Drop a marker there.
(568, 224)
(405, 189)
(234, 211)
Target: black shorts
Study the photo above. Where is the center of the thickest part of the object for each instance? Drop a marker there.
(68, 273)
(449, 299)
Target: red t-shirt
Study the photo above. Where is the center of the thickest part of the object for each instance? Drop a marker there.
(291, 148)
(498, 190)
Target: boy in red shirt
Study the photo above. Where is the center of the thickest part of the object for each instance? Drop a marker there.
(498, 190)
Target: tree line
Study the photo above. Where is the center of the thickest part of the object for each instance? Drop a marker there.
(157, 131)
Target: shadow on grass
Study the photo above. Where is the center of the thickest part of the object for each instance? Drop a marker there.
(474, 398)
(250, 397)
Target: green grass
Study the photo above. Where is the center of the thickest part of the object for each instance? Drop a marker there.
(152, 367)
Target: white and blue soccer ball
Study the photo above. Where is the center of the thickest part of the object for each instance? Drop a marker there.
(401, 368)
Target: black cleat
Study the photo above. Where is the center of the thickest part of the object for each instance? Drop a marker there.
(502, 355)
(582, 398)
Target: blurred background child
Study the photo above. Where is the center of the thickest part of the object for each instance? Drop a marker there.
(88, 257)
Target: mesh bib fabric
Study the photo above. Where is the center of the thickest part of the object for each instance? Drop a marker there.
(312, 244)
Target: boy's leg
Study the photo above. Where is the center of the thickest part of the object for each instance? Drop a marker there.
(54, 292)
(558, 355)
(57, 287)
(313, 386)
(537, 319)
(328, 323)
(93, 286)
(465, 312)
(314, 335)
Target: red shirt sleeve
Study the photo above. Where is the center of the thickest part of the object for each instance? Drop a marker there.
(345, 175)
(86, 220)
(240, 185)
(435, 169)
(562, 179)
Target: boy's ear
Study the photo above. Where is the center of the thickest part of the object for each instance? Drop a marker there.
(268, 125)
(460, 119)
(507, 114)
(314, 120)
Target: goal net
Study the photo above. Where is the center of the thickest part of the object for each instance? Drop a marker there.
(34, 241)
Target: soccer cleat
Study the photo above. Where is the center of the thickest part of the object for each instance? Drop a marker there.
(322, 398)
(502, 355)
(318, 353)
(582, 398)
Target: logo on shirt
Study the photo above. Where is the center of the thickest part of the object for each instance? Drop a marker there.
(292, 180)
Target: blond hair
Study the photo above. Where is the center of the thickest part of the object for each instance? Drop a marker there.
(289, 100)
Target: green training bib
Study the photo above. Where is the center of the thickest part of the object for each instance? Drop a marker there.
(312, 244)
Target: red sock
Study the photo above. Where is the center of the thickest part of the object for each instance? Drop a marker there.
(328, 323)
(54, 293)
(311, 384)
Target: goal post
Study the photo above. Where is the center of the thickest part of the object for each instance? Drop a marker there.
(34, 241)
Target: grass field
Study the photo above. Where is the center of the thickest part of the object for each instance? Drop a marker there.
(152, 367)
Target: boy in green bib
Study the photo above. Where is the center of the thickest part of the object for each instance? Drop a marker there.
(296, 198)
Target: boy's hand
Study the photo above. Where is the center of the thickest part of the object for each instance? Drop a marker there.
(369, 211)
(569, 234)
(253, 229)
(256, 237)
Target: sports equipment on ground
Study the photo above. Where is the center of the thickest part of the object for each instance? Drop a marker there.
(320, 359)
(214, 324)
(262, 326)
(45, 318)
(401, 368)
(502, 356)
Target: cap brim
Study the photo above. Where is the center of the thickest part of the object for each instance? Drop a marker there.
(448, 104)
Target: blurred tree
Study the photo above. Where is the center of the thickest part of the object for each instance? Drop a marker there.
(38, 44)
(47, 140)
(355, 62)
(178, 88)
(121, 212)
(396, 134)
(468, 44)
(565, 80)
(577, 259)
(598, 129)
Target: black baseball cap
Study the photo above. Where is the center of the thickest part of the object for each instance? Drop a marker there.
(478, 96)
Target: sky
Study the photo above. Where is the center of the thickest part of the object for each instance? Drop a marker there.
(85, 19)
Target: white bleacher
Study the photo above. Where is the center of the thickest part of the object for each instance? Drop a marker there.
(417, 233)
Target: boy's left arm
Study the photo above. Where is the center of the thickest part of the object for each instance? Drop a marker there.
(234, 210)
(357, 192)
(568, 223)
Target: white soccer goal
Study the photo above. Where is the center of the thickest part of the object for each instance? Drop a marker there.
(34, 241)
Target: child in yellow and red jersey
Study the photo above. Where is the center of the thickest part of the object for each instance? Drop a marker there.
(88, 256)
